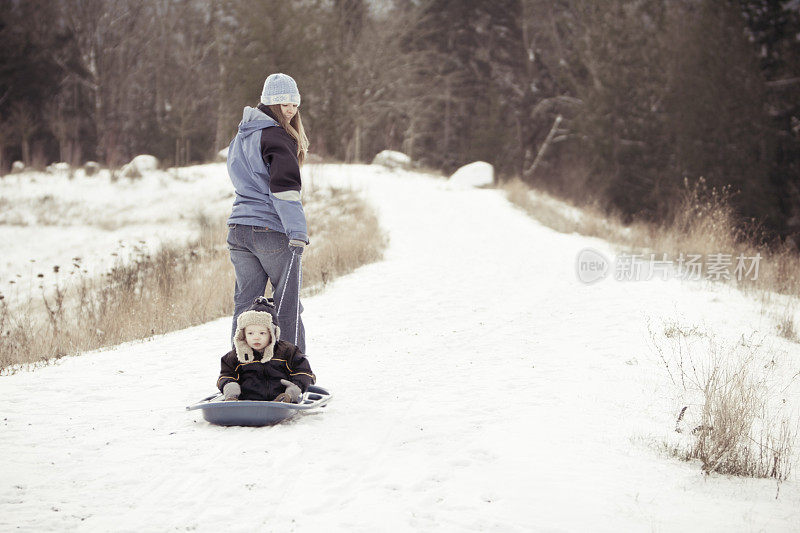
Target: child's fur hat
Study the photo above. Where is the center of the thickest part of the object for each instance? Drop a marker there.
(261, 313)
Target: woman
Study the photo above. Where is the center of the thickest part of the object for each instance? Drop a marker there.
(267, 227)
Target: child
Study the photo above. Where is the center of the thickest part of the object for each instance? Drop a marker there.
(262, 367)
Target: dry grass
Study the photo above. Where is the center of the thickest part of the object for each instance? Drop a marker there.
(558, 215)
(177, 287)
(784, 323)
(703, 223)
(50, 210)
(45, 210)
(344, 234)
(736, 420)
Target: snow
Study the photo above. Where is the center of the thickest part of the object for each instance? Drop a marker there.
(58, 168)
(144, 162)
(477, 174)
(564, 209)
(392, 159)
(478, 386)
(139, 165)
(47, 220)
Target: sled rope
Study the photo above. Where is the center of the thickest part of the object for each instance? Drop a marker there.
(280, 303)
(299, 284)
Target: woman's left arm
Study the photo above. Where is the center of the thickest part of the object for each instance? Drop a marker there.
(279, 152)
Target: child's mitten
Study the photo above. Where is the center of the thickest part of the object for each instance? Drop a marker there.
(231, 390)
(291, 395)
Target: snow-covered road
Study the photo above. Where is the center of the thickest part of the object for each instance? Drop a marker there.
(478, 386)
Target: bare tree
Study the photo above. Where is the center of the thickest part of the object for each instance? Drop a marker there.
(63, 122)
(224, 25)
(24, 124)
(6, 136)
(111, 37)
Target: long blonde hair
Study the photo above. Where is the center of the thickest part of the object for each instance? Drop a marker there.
(295, 129)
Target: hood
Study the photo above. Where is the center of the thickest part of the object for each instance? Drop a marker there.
(254, 120)
(246, 354)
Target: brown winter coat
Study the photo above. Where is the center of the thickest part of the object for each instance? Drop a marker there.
(262, 380)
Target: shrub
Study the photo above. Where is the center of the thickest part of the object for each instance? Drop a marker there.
(174, 288)
(735, 419)
(702, 222)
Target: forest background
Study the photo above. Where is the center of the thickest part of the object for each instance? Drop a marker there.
(620, 103)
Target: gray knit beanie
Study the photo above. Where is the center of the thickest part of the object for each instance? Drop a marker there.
(280, 89)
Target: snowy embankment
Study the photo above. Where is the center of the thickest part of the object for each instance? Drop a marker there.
(46, 220)
(479, 385)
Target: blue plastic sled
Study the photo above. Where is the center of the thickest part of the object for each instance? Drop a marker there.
(257, 413)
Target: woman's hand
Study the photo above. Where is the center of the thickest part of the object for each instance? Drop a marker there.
(297, 246)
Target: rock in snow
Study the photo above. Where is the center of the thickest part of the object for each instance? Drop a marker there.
(140, 164)
(60, 167)
(91, 168)
(477, 174)
(392, 159)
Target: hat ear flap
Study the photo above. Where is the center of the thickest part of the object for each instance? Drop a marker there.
(243, 351)
(269, 350)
